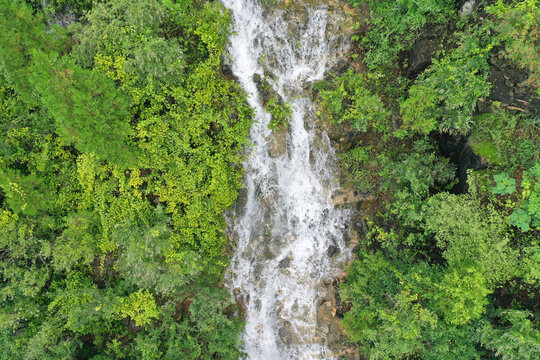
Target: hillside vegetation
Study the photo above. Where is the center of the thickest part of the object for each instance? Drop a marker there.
(444, 109)
(120, 148)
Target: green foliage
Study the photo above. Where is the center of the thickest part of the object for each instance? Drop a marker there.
(386, 316)
(281, 113)
(516, 25)
(434, 267)
(77, 7)
(505, 139)
(140, 307)
(133, 32)
(396, 307)
(410, 177)
(445, 95)
(88, 109)
(516, 339)
(451, 342)
(505, 184)
(527, 209)
(394, 25)
(20, 34)
(461, 295)
(470, 233)
(117, 162)
(348, 99)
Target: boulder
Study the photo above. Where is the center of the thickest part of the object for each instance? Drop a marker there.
(324, 315)
(286, 334)
(467, 8)
(332, 250)
(501, 90)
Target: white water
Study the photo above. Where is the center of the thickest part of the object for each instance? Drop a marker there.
(288, 212)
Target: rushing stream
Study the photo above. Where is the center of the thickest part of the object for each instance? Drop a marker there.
(286, 223)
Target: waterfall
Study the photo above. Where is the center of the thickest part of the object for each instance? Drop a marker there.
(286, 222)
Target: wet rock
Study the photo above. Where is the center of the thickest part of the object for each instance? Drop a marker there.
(64, 19)
(342, 137)
(510, 87)
(266, 91)
(277, 142)
(284, 263)
(241, 200)
(324, 314)
(332, 250)
(350, 353)
(338, 68)
(350, 196)
(240, 301)
(257, 79)
(226, 69)
(269, 199)
(286, 334)
(335, 330)
(266, 254)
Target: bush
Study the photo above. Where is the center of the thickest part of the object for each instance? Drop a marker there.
(517, 26)
(347, 99)
(444, 97)
(394, 24)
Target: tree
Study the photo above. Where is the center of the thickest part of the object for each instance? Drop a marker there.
(445, 95)
(469, 233)
(88, 109)
(21, 33)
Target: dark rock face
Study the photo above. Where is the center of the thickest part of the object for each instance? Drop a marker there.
(421, 54)
(500, 90)
(265, 90)
(459, 151)
(508, 86)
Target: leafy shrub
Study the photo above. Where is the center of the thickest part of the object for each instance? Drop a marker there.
(281, 113)
(133, 31)
(526, 212)
(445, 95)
(516, 339)
(347, 99)
(386, 317)
(393, 26)
(115, 171)
(505, 139)
(468, 233)
(77, 7)
(516, 25)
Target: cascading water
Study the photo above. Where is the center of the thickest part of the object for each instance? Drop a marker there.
(287, 222)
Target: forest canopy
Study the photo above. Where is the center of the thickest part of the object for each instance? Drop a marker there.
(115, 170)
(121, 146)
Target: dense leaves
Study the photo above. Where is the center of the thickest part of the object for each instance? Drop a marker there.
(442, 272)
(395, 24)
(120, 150)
